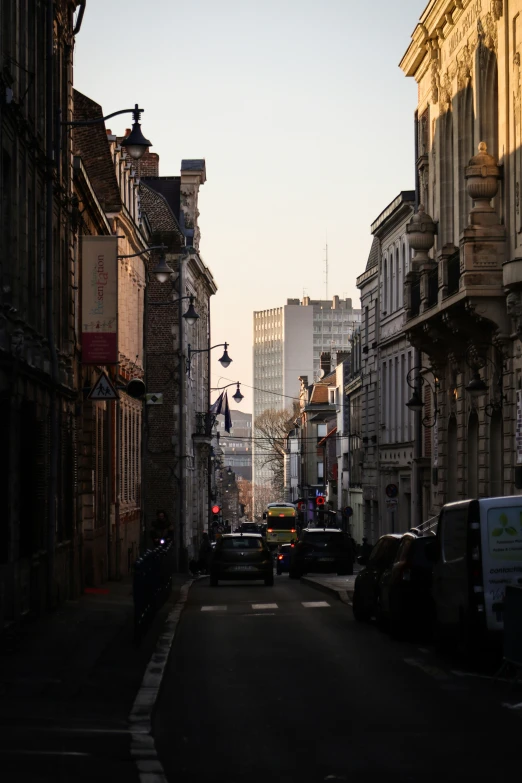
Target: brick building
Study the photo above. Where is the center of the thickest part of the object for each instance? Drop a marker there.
(177, 447)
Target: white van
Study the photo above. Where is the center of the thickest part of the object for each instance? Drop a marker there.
(478, 553)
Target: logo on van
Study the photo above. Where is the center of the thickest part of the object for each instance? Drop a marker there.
(506, 528)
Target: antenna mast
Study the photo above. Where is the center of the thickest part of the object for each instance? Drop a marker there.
(326, 270)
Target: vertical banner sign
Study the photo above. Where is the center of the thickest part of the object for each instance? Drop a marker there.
(99, 300)
(518, 436)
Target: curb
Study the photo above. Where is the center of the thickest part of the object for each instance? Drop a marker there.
(343, 595)
(143, 749)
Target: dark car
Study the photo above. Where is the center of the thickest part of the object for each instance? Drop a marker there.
(283, 558)
(406, 605)
(323, 550)
(367, 584)
(241, 556)
(249, 527)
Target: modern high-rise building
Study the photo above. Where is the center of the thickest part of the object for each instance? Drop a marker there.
(287, 343)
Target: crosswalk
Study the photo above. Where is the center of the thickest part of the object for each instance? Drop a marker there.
(266, 607)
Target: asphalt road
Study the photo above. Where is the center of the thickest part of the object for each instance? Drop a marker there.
(299, 693)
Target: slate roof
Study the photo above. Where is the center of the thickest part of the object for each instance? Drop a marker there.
(91, 144)
(170, 189)
(158, 211)
(319, 393)
(373, 258)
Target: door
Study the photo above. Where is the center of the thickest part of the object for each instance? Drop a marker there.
(450, 587)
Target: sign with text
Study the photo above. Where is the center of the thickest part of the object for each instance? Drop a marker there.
(99, 300)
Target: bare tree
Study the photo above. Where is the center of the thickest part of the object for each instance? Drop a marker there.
(245, 496)
(270, 431)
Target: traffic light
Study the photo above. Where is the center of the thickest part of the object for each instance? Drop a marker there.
(319, 501)
(216, 509)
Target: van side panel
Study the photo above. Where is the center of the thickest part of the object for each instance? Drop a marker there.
(450, 573)
(501, 537)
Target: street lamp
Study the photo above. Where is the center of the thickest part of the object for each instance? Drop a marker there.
(225, 360)
(237, 396)
(135, 144)
(416, 381)
(477, 387)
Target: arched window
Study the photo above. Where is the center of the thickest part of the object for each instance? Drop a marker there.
(472, 455)
(397, 279)
(451, 493)
(447, 185)
(496, 456)
(385, 287)
(467, 148)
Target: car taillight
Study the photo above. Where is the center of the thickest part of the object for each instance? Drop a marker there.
(292, 530)
(280, 557)
(269, 530)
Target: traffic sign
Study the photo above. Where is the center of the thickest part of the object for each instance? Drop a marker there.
(392, 490)
(154, 399)
(391, 504)
(348, 511)
(319, 501)
(103, 390)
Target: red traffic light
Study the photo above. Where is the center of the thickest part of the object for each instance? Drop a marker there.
(301, 506)
(216, 509)
(319, 501)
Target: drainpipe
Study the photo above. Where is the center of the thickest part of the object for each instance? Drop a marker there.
(52, 161)
(417, 417)
(181, 428)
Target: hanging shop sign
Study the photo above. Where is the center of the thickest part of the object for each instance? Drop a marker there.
(99, 300)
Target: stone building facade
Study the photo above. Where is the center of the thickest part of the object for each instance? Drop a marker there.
(463, 291)
(39, 536)
(395, 362)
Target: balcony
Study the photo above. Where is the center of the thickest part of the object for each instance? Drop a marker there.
(203, 432)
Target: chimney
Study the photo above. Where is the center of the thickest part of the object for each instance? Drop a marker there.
(193, 175)
(342, 356)
(148, 165)
(335, 303)
(326, 362)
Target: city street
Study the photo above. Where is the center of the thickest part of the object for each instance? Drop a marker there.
(282, 684)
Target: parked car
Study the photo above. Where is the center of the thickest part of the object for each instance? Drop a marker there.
(478, 553)
(323, 550)
(241, 556)
(405, 601)
(367, 583)
(283, 558)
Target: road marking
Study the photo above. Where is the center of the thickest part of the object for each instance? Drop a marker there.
(214, 608)
(22, 752)
(314, 604)
(479, 676)
(260, 614)
(265, 606)
(512, 706)
(432, 671)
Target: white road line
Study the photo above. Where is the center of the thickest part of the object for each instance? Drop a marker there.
(214, 608)
(314, 604)
(23, 752)
(432, 671)
(265, 606)
(512, 706)
(260, 614)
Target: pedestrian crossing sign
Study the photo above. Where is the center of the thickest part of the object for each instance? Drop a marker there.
(103, 390)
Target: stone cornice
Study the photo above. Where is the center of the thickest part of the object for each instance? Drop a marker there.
(437, 19)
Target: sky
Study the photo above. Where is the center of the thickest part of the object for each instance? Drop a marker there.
(302, 115)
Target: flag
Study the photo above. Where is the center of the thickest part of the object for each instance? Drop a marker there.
(228, 417)
(217, 407)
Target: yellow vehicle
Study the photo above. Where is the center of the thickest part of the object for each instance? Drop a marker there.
(281, 520)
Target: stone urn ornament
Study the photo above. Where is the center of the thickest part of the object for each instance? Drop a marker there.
(482, 175)
(421, 236)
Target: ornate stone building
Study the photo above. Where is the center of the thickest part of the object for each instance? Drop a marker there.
(465, 57)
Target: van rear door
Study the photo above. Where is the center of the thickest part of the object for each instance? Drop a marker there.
(501, 536)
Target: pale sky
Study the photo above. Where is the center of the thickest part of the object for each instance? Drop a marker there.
(302, 115)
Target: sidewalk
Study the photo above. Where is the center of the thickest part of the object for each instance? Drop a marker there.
(341, 587)
(67, 686)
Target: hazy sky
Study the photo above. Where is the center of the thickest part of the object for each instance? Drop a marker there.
(302, 114)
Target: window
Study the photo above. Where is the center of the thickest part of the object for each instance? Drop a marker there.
(241, 543)
(454, 534)
(321, 430)
(320, 470)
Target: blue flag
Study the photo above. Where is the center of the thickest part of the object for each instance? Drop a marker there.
(217, 407)
(228, 417)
